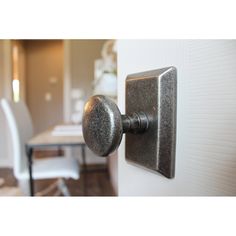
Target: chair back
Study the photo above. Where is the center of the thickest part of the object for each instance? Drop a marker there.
(21, 130)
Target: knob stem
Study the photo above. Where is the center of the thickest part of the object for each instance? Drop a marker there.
(135, 123)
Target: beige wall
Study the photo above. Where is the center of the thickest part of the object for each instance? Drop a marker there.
(44, 60)
(1, 68)
(5, 92)
(3, 150)
(83, 55)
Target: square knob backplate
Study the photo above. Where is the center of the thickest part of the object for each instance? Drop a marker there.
(154, 93)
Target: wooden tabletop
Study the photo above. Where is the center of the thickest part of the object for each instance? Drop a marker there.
(47, 139)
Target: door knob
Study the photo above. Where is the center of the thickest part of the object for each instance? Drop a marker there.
(103, 124)
(149, 122)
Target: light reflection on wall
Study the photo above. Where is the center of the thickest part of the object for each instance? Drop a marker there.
(15, 81)
(16, 90)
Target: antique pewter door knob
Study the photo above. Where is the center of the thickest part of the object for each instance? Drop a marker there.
(149, 122)
(103, 125)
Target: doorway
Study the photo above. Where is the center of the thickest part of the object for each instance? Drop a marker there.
(44, 82)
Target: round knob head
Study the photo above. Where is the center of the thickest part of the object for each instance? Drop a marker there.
(102, 125)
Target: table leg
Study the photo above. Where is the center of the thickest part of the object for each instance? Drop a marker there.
(31, 181)
(83, 157)
(85, 168)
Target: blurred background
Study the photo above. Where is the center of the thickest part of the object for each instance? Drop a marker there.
(54, 78)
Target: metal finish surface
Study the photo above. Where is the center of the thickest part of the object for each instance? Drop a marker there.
(154, 93)
(103, 125)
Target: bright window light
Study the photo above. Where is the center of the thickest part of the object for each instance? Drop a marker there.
(16, 90)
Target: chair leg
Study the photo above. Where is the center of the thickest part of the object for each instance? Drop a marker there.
(62, 187)
(29, 152)
(85, 170)
(59, 185)
(47, 190)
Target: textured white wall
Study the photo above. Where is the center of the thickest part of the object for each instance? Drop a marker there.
(206, 115)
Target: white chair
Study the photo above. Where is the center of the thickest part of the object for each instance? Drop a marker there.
(21, 130)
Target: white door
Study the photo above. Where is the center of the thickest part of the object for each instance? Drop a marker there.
(206, 116)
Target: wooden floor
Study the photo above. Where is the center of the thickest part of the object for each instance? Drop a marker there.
(94, 181)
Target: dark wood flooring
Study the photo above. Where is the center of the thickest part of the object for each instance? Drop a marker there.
(94, 181)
